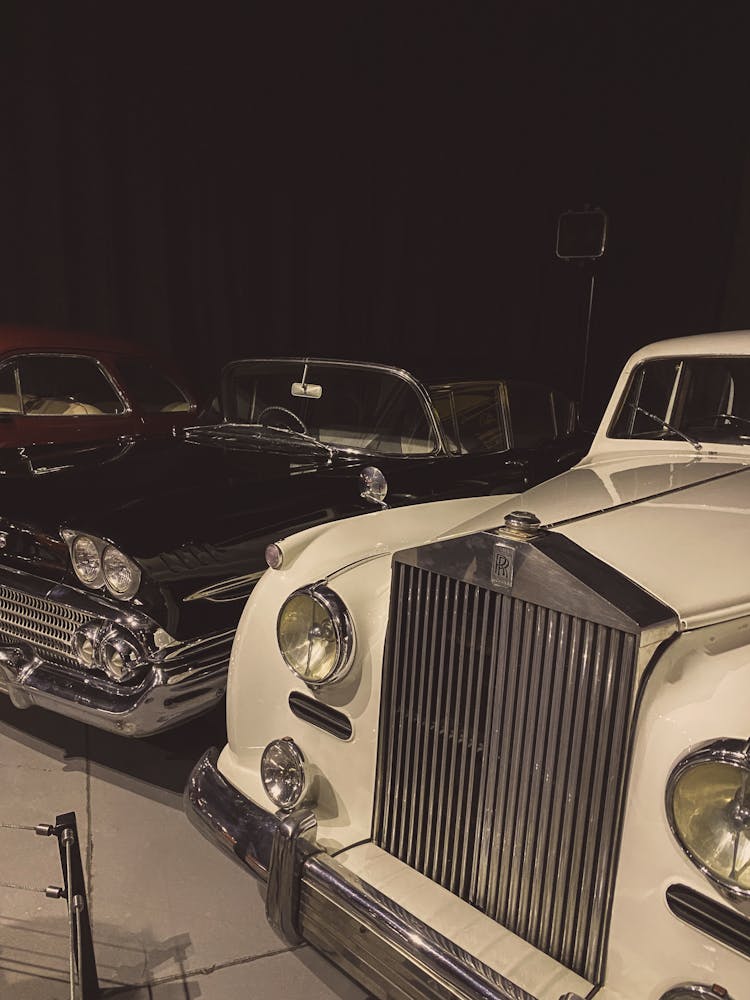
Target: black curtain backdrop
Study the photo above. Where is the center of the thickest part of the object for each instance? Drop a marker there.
(374, 180)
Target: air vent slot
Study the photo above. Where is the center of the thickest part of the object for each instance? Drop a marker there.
(322, 716)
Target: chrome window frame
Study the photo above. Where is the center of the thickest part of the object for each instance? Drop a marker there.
(14, 358)
(401, 373)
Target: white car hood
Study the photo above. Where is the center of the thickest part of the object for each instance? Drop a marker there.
(679, 528)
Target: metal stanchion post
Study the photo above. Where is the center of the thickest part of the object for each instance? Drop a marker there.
(84, 982)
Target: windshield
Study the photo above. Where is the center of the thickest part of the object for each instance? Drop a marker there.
(705, 399)
(346, 407)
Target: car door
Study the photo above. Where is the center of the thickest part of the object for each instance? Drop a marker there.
(50, 399)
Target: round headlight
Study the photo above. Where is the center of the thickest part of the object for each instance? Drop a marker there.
(708, 803)
(87, 562)
(121, 574)
(315, 635)
(282, 770)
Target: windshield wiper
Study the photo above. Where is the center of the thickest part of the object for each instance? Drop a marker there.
(663, 423)
(735, 418)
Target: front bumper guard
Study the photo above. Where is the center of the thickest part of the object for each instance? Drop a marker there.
(310, 896)
(174, 689)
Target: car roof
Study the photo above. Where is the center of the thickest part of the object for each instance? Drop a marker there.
(19, 338)
(733, 342)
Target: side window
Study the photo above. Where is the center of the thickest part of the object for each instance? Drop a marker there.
(150, 389)
(9, 402)
(65, 387)
(441, 402)
(652, 387)
(478, 419)
(531, 415)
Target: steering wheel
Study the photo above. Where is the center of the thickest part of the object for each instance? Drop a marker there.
(287, 413)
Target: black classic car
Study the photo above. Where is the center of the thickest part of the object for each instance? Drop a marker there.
(124, 569)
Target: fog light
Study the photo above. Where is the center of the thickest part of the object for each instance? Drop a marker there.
(282, 770)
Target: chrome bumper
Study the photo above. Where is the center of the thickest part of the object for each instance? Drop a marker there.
(173, 690)
(312, 897)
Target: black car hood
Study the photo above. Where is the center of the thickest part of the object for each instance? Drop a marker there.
(192, 515)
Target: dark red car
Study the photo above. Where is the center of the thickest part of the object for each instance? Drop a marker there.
(70, 388)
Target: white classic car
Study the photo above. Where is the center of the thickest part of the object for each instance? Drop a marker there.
(500, 748)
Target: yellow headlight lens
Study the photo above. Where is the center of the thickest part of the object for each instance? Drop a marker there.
(710, 813)
(315, 635)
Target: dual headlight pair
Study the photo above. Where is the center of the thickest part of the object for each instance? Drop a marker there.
(98, 564)
(708, 806)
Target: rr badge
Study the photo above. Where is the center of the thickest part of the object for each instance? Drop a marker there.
(502, 566)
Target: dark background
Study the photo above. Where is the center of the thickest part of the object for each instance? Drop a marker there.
(375, 180)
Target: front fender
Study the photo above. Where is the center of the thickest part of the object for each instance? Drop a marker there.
(698, 690)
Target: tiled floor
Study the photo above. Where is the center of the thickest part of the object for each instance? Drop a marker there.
(172, 918)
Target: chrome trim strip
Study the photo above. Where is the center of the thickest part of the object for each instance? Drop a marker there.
(377, 941)
(238, 588)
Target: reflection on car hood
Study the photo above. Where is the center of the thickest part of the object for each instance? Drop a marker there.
(679, 528)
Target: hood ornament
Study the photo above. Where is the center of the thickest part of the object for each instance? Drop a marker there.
(520, 524)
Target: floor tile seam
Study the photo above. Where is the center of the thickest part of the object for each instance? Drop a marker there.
(32, 767)
(207, 970)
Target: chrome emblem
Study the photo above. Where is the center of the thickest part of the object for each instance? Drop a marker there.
(503, 557)
(3, 539)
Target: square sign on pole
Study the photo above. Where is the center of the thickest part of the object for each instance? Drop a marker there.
(581, 236)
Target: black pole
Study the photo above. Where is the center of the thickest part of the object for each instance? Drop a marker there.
(584, 365)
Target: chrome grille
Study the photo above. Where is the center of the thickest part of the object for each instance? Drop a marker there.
(502, 757)
(47, 626)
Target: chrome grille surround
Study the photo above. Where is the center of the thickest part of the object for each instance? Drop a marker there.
(48, 626)
(505, 732)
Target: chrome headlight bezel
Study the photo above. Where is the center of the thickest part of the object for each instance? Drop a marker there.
(102, 580)
(343, 629)
(77, 539)
(732, 752)
(296, 759)
(97, 644)
(112, 552)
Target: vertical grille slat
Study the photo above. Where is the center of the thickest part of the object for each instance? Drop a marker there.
(502, 755)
